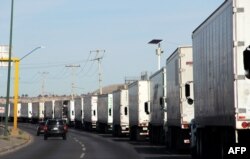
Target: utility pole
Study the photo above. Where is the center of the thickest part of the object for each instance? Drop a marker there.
(43, 83)
(9, 72)
(73, 79)
(98, 59)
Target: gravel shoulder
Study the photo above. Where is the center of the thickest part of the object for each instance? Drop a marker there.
(14, 141)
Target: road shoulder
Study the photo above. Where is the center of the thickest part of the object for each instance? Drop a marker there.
(14, 141)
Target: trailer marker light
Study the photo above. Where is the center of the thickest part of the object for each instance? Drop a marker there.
(184, 126)
(244, 125)
(241, 117)
(187, 141)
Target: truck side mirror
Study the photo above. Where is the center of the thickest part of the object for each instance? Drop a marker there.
(246, 61)
(146, 107)
(126, 110)
(190, 101)
(161, 101)
(109, 111)
(187, 90)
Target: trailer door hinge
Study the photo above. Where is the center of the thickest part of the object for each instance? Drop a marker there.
(239, 77)
(240, 110)
(238, 43)
(238, 10)
(182, 69)
(182, 55)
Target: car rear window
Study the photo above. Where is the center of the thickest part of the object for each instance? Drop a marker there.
(55, 122)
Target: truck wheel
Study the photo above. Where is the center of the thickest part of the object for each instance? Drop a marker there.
(64, 137)
(132, 134)
(119, 131)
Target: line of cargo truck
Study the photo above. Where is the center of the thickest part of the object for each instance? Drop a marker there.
(200, 100)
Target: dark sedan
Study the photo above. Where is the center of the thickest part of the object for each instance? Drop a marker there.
(40, 128)
(55, 128)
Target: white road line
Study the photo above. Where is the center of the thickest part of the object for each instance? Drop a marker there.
(84, 149)
(83, 145)
(82, 155)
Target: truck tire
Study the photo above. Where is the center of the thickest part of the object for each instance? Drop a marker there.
(64, 137)
(132, 134)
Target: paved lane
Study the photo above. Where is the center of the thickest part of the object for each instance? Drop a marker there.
(53, 148)
(98, 147)
(86, 145)
(79, 145)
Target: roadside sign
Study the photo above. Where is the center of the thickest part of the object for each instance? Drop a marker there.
(4, 53)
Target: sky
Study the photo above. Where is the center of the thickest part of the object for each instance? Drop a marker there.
(71, 31)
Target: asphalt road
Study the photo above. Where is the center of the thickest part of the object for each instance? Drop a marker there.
(85, 145)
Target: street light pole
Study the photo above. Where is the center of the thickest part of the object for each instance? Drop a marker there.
(16, 86)
(9, 71)
(158, 50)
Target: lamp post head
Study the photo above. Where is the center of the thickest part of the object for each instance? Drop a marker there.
(159, 51)
(155, 41)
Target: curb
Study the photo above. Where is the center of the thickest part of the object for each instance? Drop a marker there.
(15, 147)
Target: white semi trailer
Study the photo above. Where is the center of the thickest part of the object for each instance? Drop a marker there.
(12, 111)
(24, 112)
(79, 115)
(70, 104)
(105, 113)
(41, 111)
(221, 56)
(180, 110)
(90, 112)
(139, 93)
(49, 109)
(120, 112)
(58, 110)
(158, 93)
(37, 111)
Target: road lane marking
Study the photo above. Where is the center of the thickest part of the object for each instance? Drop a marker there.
(84, 149)
(82, 155)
